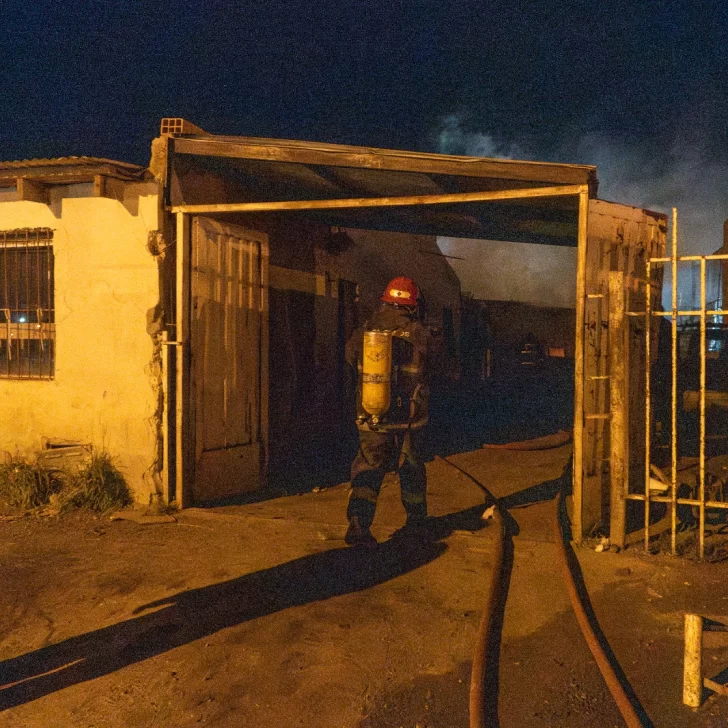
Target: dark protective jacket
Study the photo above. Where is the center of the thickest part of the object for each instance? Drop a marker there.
(410, 391)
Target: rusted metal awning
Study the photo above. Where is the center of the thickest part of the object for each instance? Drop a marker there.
(436, 194)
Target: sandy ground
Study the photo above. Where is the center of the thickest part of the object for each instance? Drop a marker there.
(258, 615)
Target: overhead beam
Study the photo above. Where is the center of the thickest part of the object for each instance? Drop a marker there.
(352, 181)
(31, 191)
(411, 200)
(108, 187)
(392, 160)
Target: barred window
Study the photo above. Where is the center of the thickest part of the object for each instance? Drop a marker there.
(27, 316)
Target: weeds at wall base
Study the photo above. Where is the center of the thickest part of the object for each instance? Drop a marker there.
(27, 485)
(96, 485)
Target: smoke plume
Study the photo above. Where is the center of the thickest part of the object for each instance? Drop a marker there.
(683, 174)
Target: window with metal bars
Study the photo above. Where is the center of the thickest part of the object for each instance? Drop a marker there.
(27, 315)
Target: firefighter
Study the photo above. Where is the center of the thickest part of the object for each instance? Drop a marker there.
(392, 410)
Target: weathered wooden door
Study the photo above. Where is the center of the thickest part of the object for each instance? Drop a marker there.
(229, 345)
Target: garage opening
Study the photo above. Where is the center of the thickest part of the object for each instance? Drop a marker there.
(340, 222)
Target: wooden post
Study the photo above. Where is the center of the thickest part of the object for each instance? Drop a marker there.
(32, 191)
(693, 663)
(701, 452)
(618, 460)
(673, 408)
(578, 469)
(648, 400)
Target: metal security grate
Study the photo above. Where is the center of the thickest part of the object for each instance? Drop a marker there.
(27, 315)
(684, 380)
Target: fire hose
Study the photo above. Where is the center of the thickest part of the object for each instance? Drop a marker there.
(613, 682)
(482, 705)
(484, 673)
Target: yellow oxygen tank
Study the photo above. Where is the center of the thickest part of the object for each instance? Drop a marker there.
(376, 381)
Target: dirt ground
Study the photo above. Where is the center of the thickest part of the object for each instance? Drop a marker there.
(258, 615)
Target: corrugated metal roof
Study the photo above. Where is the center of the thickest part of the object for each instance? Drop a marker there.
(67, 162)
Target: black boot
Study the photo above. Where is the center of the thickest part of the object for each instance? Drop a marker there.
(357, 535)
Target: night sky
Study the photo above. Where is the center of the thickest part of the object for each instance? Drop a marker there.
(639, 88)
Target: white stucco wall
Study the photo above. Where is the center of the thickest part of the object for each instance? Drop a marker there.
(105, 387)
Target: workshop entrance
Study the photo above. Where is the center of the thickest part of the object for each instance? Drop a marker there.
(289, 188)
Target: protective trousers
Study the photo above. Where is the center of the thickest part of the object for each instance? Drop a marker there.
(378, 453)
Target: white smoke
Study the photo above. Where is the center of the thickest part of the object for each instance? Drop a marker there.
(454, 139)
(682, 175)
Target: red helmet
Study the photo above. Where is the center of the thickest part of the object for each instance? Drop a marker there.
(402, 292)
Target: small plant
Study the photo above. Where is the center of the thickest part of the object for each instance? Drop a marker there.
(97, 485)
(27, 485)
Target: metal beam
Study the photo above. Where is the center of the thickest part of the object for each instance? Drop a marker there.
(279, 206)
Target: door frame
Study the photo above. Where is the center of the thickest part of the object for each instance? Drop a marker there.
(184, 416)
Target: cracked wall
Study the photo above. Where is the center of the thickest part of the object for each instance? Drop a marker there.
(106, 388)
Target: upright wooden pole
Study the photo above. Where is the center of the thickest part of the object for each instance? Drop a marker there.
(648, 399)
(618, 461)
(693, 662)
(701, 453)
(578, 474)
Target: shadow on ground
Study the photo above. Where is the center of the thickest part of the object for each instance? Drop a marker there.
(196, 613)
